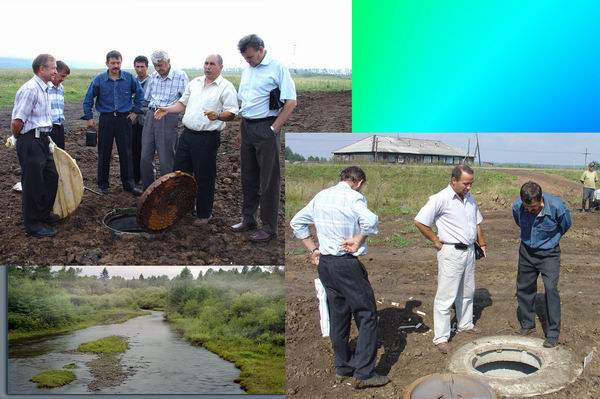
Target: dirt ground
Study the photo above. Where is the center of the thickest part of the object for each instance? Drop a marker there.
(397, 274)
(82, 239)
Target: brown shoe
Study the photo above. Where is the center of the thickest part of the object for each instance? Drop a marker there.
(200, 222)
(261, 236)
(443, 347)
(474, 330)
(241, 227)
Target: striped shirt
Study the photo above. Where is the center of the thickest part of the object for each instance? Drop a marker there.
(32, 105)
(162, 92)
(57, 103)
(338, 213)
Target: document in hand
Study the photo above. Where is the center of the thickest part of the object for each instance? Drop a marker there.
(323, 309)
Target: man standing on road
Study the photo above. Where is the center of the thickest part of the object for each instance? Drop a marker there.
(208, 101)
(118, 98)
(589, 178)
(165, 86)
(31, 125)
(56, 93)
(268, 96)
(458, 221)
(543, 219)
(343, 222)
(140, 64)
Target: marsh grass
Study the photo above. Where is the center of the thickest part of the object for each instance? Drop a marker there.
(112, 344)
(53, 378)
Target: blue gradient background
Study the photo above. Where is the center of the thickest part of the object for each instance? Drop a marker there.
(486, 66)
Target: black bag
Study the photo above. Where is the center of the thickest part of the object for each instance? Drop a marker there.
(478, 251)
(274, 101)
(91, 138)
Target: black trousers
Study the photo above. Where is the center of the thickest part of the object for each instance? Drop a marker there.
(58, 135)
(197, 153)
(532, 262)
(136, 150)
(115, 128)
(261, 184)
(39, 179)
(349, 293)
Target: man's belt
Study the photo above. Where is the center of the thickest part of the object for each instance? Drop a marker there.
(268, 118)
(40, 131)
(114, 113)
(458, 245)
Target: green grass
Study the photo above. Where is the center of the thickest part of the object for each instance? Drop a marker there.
(570, 174)
(112, 344)
(78, 81)
(391, 190)
(112, 316)
(261, 364)
(395, 240)
(53, 378)
(70, 366)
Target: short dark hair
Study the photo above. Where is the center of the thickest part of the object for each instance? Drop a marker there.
(141, 58)
(250, 41)
(62, 67)
(40, 61)
(458, 170)
(353, 173)
(531, 191)
(113, 54)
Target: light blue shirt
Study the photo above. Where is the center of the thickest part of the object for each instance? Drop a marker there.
(56, 94)
(32, 105)
(256, 84)
(163, 92)
(338, 213)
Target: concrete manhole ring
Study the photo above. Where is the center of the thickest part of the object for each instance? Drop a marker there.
(517, 366)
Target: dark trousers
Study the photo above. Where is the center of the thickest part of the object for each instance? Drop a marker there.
(114, 128)
(532, 262)
(349, 293)
(136, 150)
(39, 179)
(58, 135)
(197, 154)
(259, 155)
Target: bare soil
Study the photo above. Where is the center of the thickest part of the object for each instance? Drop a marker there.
(82, 239)
(399, 274)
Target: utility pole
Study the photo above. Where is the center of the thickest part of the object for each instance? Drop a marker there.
(586, 153)
(466, 159)
(477, 150)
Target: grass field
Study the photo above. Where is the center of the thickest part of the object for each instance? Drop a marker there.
(391, 190)
(77, 83)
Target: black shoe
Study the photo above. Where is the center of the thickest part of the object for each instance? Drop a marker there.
(103, 190)
(52, 219)
(375, 381)
(339, 378)
(135, 191)
(261, 236)
(244, 226)
(526, 331)
(550, 342)
(42, 232)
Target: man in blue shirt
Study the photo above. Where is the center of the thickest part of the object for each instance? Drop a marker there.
(56, 94)
(140, 64)
(543, 219)
(113, 92)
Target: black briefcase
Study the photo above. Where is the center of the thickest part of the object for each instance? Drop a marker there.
(91, 138)
(274, 101)
(478, 251)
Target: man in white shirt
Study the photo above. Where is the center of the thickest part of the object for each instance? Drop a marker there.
(343, 222)
(458, 222)
(208, 101)
(268, 96)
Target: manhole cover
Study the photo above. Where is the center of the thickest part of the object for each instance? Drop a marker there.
(517, 366)
(449, 386)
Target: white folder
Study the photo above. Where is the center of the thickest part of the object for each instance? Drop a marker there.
(323, 309)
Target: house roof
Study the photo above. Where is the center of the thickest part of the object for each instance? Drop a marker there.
(401, 145)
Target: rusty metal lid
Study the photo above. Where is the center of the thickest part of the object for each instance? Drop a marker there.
(449, 386)
(166, 201)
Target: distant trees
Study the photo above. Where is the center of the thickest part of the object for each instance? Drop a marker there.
(104, 275)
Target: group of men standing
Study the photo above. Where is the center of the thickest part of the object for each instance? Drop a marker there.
(141, 114)
(343, 222)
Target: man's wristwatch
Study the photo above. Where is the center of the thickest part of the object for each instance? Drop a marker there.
(314, 249)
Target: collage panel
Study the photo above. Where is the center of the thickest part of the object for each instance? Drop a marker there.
(145, 330)
(389, 296)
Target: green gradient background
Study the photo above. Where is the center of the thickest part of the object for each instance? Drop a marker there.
(444, 66)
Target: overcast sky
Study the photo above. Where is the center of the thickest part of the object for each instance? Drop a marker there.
(134, 271)
(536, 148)
(300, 33)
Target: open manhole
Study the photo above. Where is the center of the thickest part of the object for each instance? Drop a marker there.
(449, 386)
(165, 202)
(517, 366)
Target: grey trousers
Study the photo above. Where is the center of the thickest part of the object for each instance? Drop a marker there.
(160, 137)
(532, 262)
(261, 184)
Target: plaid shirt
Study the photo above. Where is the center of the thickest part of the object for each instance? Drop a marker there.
(32, 105)
(57, 103)
(338, 213)
(162, 92)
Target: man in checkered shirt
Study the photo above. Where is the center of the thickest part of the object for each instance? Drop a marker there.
(56, 93)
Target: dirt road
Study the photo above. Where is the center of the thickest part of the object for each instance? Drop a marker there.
(398, 274)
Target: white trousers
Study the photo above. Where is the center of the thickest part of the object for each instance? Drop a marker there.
(456, 285)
